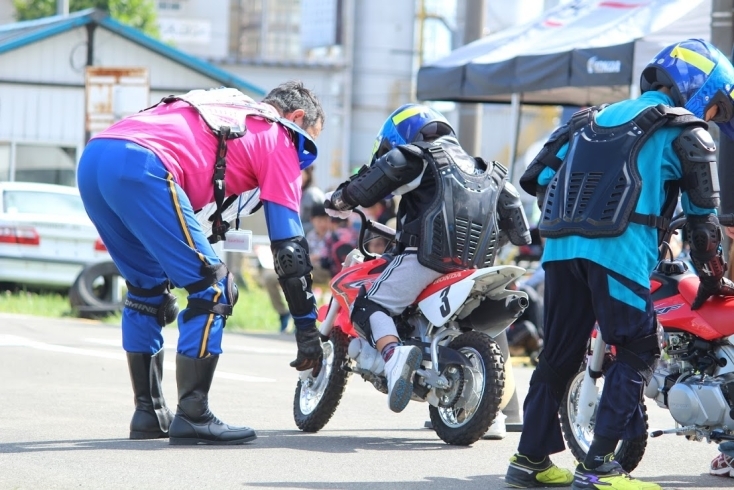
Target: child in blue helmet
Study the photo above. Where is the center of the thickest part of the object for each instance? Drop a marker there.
(416, 155)
(608, 181)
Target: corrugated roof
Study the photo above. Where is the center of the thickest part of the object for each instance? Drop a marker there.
(19, 34)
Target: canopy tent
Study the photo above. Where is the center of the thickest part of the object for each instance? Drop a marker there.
(582, 53)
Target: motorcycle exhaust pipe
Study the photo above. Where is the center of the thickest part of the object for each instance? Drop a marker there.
(517, 305)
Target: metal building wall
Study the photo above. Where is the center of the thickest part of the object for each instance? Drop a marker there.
(192, 15)
(57, 60)
(36, 113)
(327, 85)
(384, 59)
(165, 74)
(42, 88)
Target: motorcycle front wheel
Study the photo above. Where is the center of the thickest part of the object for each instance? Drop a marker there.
(628, 453)
(316, 398)
(467, 419)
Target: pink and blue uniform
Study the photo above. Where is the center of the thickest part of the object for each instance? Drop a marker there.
(142, 180)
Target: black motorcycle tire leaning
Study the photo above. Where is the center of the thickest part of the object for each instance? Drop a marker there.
(336, 384)
(489, 405)
(629, 452)
(90, 301)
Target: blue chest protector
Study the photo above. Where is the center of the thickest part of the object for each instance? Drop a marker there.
(595, 190)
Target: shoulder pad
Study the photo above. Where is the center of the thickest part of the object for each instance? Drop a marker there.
(695, 144)
(697, 153)
(679, 116)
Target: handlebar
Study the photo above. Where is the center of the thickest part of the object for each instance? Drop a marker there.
(368, 225)
(376, 228)
(679, 221)
(726, 219)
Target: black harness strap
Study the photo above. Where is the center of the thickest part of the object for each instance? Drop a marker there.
(148, 293)
(219, 227)
(197, 306)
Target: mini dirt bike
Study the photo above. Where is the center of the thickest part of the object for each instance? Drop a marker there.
(694, 379)
(453, 321)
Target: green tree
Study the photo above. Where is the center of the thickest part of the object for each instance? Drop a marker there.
(140, 14)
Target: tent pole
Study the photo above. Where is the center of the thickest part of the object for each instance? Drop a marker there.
(515, 113)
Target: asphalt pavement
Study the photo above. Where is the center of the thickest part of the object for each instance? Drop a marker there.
(66, 402)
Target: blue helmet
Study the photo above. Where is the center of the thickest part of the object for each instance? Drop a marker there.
(699, 76)
(410, 123)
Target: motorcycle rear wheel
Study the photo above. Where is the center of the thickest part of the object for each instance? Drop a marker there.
(465, 426)
(628, 453)
(316, 399)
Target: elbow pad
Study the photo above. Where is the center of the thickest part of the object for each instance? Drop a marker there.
(697, 153)
(396, 168)
(512, 216)
(705, 238)
(293, 266)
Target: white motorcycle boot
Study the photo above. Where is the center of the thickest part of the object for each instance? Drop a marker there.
(498, 429)
(366, 356)
(405, 361)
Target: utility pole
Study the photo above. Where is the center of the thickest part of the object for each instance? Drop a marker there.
(62, 7)
(470, 115)
(722, 36)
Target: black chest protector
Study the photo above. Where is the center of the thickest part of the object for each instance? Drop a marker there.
(458, 229)
(595, 191)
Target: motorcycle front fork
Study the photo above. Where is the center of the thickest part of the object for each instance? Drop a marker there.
(588, 392)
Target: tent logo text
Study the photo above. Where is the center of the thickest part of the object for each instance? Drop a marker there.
(595, 65)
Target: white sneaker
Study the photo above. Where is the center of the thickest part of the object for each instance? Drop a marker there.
(405, 361)
(497, 430)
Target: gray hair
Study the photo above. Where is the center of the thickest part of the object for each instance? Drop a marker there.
(290, 96)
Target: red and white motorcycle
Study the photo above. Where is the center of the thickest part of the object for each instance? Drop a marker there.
(454, 321)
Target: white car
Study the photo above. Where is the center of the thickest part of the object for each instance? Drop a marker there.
(46, 237)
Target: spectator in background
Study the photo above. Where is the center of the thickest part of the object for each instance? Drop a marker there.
(317, 242)
(310, 195)
(330, 242)
(381, 211)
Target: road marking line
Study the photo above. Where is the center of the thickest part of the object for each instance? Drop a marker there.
(17, 341)
(170, 345)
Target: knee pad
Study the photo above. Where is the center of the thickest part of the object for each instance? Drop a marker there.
(557, 378)
(165, 312)
(362, 310)
(213, 275)
(641, 354)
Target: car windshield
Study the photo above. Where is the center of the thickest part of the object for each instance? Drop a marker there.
(39, 202)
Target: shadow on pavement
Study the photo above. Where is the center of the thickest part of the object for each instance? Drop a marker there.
(429, 482)
(267, 439)
(672, 482)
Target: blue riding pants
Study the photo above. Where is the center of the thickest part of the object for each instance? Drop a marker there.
(148, 225)
(579, 293)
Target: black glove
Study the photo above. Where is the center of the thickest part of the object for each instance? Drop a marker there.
(708, 288)
(309, 350)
